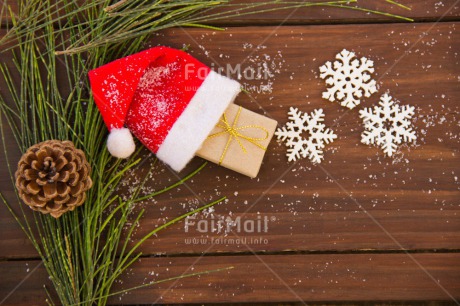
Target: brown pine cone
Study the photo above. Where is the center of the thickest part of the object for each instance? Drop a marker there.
(53, 177)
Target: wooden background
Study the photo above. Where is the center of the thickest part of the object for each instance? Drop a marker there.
(360, 227)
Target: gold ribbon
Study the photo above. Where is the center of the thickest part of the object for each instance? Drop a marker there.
(234, 132)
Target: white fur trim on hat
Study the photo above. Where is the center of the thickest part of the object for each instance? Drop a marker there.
(197, 120)
(120, 143)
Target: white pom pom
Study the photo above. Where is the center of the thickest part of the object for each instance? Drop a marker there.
(121, 143)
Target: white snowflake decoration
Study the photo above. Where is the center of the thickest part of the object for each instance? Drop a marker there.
(310, 124)
(387, 125)
(349, 78)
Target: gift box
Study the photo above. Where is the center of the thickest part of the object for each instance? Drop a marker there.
(239, 141)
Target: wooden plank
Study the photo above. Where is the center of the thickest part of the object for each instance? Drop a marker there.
(411, 201)
(425, 10)
(273, 278)
(415, 198)
(357, 199)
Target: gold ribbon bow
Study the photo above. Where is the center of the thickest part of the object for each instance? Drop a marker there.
(235, 133)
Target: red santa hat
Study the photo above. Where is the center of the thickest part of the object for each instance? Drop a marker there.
(165, 97)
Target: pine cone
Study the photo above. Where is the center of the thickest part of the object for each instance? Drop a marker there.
(53, 177)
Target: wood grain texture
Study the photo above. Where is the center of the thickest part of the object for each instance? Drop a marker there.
(425, 10)
(274, 278)
(357, 199)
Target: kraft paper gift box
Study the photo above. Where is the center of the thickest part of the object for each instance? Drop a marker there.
(239, 141)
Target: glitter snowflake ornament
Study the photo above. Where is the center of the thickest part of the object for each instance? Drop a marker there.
(349, 79)
(317, 135)
(387, 125)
